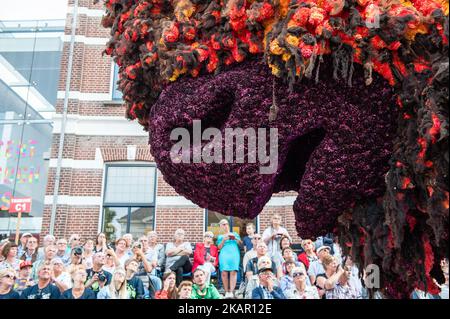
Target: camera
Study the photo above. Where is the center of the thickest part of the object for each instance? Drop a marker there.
(78, 251)
(101, 277)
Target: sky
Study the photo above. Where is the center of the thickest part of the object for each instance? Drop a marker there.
(33, 9)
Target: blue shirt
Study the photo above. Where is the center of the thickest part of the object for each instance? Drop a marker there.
(48, 292)
(12, 294)
(87, 294)
(248, 243)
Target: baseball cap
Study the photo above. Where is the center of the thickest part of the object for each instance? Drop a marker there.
(322, 248)
(264, 269)
(25, 263)
(26, 235)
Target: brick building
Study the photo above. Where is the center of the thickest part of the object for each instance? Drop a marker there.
(109, 181)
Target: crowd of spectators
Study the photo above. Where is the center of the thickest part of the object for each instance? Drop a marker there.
(253, 267)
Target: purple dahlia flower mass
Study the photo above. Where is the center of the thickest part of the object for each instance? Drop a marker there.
(334, 141)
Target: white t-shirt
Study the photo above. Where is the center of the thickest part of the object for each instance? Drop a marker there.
(65, 278)
(172, 259)
(123, 259)
(273, 246)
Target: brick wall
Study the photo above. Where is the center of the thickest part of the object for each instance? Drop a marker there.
(92, 74)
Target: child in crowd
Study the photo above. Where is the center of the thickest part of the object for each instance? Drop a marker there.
(250, 230)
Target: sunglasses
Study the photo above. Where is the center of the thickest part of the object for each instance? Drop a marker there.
(11, 277)
(297, 274)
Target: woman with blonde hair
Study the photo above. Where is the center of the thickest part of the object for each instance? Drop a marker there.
(78, 290)
(7, 280)
(117, 289)
(336, 280)
(169, 290)
(229, 257)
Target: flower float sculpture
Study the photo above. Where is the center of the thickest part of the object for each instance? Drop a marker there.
(358, 90)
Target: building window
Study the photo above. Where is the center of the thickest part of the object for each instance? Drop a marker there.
(129, 200)
(237, 224)
(116, 94)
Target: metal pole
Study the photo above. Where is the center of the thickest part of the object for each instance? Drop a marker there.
(64, 119)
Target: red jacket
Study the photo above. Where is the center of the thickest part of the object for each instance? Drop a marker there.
(304, 259)
(199, 255)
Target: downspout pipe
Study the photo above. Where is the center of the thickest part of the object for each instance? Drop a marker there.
(64, 119)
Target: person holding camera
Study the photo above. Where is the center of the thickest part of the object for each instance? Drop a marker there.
(273, 234)
(229, 257)
(78, 290)
(76, 258)
(336, 280)
(117, 289)
(97, 277)
(266, 288)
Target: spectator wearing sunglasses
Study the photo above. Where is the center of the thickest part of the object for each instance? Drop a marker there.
(287, 281)
(7, 280)
(300, 289)
(206, 256)
(44, 288)
(251, 253)
(308, 255)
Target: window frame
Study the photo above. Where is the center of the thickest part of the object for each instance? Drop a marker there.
(128, 205)
(205, 219)
(113, 86)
